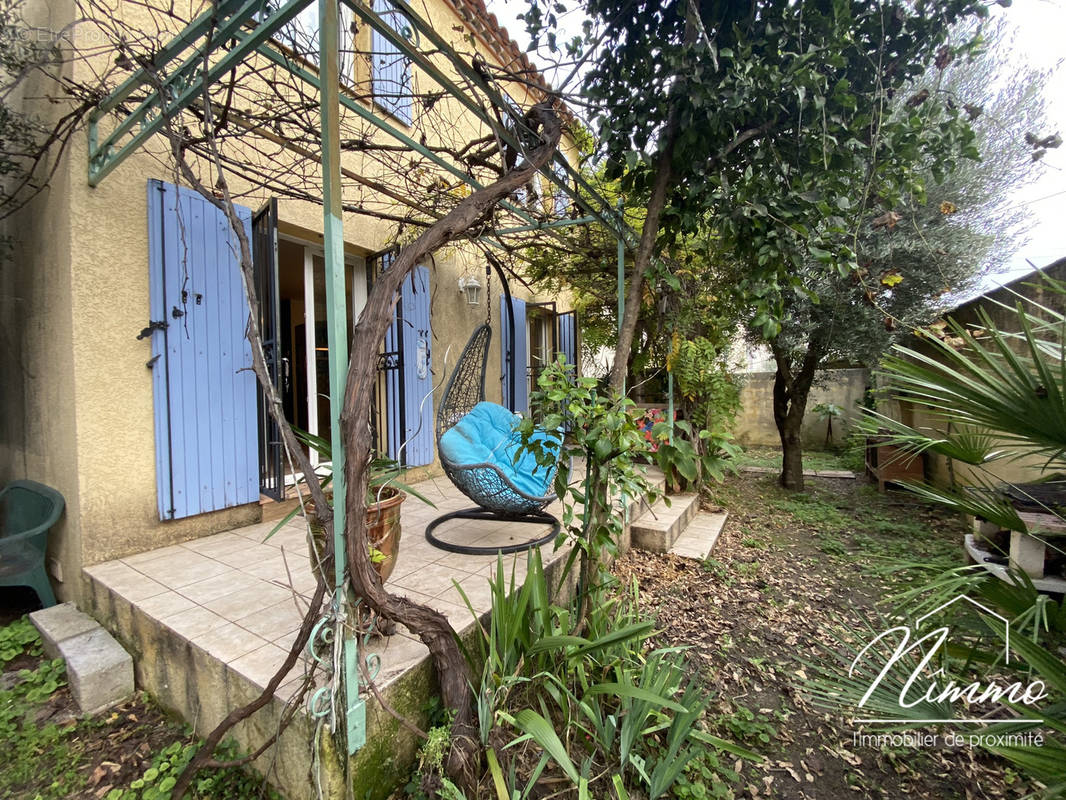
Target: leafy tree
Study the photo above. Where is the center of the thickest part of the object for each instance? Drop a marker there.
(913, 256)
(760, 120)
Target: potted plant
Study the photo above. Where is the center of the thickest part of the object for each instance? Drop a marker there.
(385, 495)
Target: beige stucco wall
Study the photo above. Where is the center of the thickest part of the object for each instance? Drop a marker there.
(38, 427)
(83, 418)
(755, 422)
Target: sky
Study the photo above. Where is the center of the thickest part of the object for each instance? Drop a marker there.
(1040, 31)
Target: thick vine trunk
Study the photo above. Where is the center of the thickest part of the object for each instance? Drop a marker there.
(431, 626)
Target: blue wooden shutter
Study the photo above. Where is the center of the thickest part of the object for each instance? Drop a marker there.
(390, 68)
(409, 389)
(566, 336)
(417, 376)
(520, 402)
(205, 392)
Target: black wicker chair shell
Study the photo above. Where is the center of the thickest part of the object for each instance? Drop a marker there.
(486, 484)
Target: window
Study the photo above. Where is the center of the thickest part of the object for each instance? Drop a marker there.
(390, 68)
(301, 37)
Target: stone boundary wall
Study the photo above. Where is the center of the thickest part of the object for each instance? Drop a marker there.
(755, 422)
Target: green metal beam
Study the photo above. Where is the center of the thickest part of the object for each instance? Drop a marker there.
(273, 54)
(621, 284)
(268, 50)
(184, 85)
(192, 32)
(544, 226)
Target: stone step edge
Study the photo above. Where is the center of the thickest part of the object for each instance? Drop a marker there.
(845, 474)
(651, 522)
(99, 669)
(658, 535)
(698, 540)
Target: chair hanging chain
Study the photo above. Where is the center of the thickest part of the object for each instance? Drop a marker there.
(488, 294)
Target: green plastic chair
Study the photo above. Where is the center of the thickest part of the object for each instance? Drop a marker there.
(28, 510)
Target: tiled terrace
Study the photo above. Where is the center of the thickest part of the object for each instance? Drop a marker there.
(240, 595)
(209, 621)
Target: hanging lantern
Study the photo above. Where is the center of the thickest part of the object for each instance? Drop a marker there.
(472, 289)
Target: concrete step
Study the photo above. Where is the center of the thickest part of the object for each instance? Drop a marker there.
(639, 506)
(846, 474)
(59, 623)
(699, 538)
(658, 528)
(100, 671)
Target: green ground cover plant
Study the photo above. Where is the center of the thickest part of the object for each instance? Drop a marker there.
(846, 457)
(132, 752)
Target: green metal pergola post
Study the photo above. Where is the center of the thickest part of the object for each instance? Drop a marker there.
(337, 337)
(670, 401)
(621, 278)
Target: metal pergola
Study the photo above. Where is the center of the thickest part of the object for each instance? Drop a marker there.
(233, 31)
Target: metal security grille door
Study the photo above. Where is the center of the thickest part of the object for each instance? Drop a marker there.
(513, 360)
(566, 336)
(413, 310)
(265, 257)
(391, 69)
(204, 388)
(405, 368)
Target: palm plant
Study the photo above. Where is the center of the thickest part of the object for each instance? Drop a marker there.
(992, 396)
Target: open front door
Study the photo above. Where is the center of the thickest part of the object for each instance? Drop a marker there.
(265, 255)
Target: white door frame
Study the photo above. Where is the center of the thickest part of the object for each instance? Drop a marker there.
(358, 301)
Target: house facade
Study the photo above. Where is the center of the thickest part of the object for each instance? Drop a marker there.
(127, 380)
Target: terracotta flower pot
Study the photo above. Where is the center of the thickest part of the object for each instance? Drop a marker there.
(382, 531)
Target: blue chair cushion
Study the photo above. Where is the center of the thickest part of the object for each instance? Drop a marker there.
(488, 435)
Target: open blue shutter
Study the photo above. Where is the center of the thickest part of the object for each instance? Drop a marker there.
(409, 388)
(520, 402)
(417, 377)
(204, 389)
(391, 69)
(566, 336)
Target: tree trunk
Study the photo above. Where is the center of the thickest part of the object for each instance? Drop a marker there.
(791, 453)
(790, 405)
(649, 234)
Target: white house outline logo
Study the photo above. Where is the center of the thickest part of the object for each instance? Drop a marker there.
(1006, 622)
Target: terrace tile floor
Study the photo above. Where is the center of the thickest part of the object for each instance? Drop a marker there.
(241, 595)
